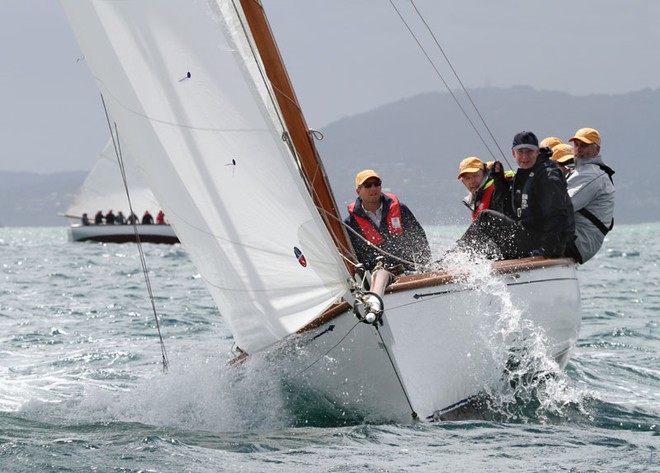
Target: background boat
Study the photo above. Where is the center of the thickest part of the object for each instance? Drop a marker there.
(104, 190)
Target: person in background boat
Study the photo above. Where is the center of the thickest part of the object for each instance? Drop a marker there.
(550, 142)
(160, 218)
(132, 219)
(119, 218)
(84, 219)
(543, 215)
(147, 218)
(591, 189)
(98, 218)
(562, 155)
(110, 218)
(485, 191)
(379, 224)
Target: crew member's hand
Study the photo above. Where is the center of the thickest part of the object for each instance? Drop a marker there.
(495, 171)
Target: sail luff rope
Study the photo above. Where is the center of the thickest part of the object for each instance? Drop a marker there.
(440, 76)
(308, 180)
(143, 261)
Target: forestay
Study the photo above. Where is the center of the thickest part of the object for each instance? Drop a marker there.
(182, 82)
(104, 188)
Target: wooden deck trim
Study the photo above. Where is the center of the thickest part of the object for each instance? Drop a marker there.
(439, 278)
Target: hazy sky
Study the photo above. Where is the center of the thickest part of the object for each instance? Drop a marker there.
(344, 56)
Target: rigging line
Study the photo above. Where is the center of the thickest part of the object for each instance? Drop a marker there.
(272, 90)
(474, 127)
(143, 261)
(325, 215)
(396, 372)
(298, 373)
(377, 248)
(346, 251)
(451, 66)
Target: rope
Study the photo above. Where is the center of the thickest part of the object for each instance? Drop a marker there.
(389, 357)
(460, 106)
(143, 261)
(377, 248)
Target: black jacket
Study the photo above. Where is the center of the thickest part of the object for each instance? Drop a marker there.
(411, 245)
(542, 205)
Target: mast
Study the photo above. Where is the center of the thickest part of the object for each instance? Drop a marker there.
(312, 167)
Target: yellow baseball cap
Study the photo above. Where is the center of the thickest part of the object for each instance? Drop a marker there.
(587, 135)
(550, 142)
(562, 153)
(364, 175)
(470, 165)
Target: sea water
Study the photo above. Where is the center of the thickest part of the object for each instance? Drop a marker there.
(82, 384)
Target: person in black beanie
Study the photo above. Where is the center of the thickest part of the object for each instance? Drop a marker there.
(542, 223)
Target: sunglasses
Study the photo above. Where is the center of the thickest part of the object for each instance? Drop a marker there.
(369, 185)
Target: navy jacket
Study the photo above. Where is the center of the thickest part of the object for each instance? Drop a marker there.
(411, 245)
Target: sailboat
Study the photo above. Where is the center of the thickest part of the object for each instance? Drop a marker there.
(104, 188)
(200, 95)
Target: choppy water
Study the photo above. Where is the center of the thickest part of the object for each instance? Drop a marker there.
(82, 387)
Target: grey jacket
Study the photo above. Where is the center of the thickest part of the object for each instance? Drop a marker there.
(590, 187)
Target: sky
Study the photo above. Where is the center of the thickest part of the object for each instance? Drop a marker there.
(344, 57)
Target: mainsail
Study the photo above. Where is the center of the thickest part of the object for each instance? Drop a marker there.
(186, 87)
(104, 188)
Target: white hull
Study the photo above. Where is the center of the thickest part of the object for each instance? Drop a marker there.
(123, 233)
(448, 341)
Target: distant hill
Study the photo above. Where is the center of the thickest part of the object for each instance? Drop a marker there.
(417, 143)
(29, 199)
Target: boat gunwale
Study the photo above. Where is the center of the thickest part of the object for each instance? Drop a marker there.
(439, 278)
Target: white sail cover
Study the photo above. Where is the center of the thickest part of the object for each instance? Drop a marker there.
(104, 188)
(181, 81)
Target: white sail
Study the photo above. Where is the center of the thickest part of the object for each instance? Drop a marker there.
(104, 188)
(182, 82)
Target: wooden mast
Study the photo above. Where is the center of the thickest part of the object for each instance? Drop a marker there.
(312, 167)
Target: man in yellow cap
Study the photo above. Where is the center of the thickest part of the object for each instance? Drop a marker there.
(381, 225)
(562, 154)
(550, 142)
(488, 187)
(591, 189)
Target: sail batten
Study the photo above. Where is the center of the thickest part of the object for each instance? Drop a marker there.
(192, 106)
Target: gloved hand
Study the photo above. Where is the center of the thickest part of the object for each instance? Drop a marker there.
(537, 252)
(545, 152)
(496, 171)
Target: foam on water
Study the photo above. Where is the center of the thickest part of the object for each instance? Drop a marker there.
(200, 394)
(532, 384)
